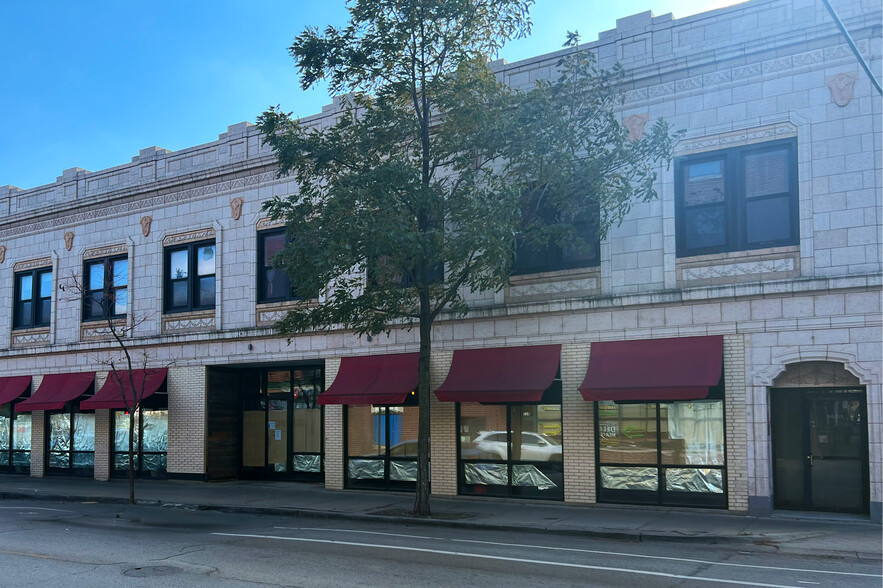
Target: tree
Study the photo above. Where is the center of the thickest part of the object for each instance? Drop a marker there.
(434, 164)
(128, 369)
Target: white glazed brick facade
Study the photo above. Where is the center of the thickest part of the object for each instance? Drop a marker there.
(742, 75)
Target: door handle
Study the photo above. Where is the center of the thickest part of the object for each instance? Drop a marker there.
(809, 457)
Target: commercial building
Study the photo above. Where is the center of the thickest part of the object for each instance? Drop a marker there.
(721, 347)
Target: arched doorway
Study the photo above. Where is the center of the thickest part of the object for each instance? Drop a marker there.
(819, 427)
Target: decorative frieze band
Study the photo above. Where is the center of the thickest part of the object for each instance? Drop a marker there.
(105, 251)
(744, 137)
(23, 266)
(268, 223)
(189, 324)
(31, 338)
(200, 235)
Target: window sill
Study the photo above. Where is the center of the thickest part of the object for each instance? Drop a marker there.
(268, 314)
(579, 282)
(98, 330)
(30, 337)
(189, 322)
(774, 263)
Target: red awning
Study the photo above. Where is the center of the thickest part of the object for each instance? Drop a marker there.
(373, 379)
(506, 374)
(13, 387)
(55, 390)
(654, 369)
(114, 395)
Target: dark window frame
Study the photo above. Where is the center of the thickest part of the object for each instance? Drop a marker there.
(735, 200)
(71, 409)
(554, 257)
(10, 465)
(109, 291)
(158, 401)
(262, 268)
(661, 496)
(192, 280)
(387, 483)
(35, 317)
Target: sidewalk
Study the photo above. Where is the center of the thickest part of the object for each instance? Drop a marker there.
(807, 534)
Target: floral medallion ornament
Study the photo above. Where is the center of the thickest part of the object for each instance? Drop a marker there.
(842, 88)
(2, 253)
(635, 125)
(145, 225)
(236, 208)
(69, 240)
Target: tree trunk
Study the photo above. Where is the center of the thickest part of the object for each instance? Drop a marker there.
(132, 456)
(421, 502)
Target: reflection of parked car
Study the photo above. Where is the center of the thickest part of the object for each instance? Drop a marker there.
(534, 446)
(404, 449)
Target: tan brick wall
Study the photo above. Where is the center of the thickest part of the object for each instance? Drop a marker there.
(103, 440)
(187, 410)
(103, 435)
(38, 435)
(578, 424)
(38, 441)
(443, 452)
(334, 461)
(736, 406)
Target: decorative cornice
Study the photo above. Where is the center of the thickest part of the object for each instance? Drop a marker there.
(34, 264)
(142, 204)
(268, 223)
(107, 251)
(742, 137)
(199, 235)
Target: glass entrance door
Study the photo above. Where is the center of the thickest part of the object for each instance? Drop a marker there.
(282, 424)
(820, 450)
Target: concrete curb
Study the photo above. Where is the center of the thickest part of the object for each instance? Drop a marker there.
(759, 542)
(616, 535)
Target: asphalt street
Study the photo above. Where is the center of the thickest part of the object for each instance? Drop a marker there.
(50, 544)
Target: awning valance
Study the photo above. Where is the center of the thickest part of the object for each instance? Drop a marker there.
(56, 390)
(654, 369)
(373, 379)
(116, 393)
(505, 374)
(12, 387)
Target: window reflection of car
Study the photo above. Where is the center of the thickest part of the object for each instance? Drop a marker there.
(404, 449)
(534, 446)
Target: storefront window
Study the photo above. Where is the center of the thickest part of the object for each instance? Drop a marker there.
(636, 442)
(511, 450)
(382, 446)
(72, 442)
(282, 423)
(150, 442)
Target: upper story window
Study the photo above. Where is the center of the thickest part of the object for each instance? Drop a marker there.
(273, 283)
(530, 259)
(190, 277)
(106, 288)
(33, 299)
(737, 199)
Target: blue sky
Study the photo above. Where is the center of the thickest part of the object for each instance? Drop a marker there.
(88, 84)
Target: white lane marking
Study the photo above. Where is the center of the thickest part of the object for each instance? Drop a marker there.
(594, 551)
(34, 508)
(699, 561)
(802, 582)
(354, 531)
(503, 558)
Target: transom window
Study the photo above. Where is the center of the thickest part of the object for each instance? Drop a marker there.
(190, 277)
(273, 283)
(737, 199)
(33, 296)
(106, 282)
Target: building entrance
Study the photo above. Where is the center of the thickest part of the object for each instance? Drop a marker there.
(820, 449)
(282, 424)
